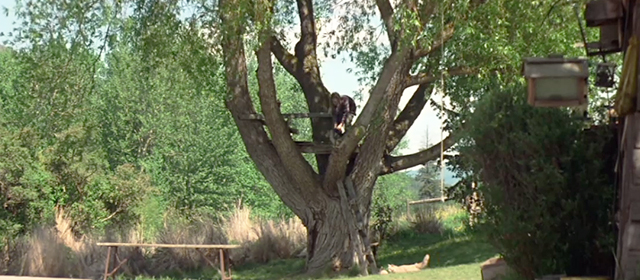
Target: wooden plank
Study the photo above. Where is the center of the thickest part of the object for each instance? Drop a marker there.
(428, 200)
(313, 148)
(184, 246)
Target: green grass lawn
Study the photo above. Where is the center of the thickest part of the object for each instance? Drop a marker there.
(452, 257)
(457, 272)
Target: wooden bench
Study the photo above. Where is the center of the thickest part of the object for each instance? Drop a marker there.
(114, 247)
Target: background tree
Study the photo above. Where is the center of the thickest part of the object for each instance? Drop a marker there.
(427, 181)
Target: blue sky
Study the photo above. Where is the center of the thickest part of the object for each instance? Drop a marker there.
(6, 22)
(336, 78)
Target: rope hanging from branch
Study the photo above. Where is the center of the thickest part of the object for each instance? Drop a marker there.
(442, 89)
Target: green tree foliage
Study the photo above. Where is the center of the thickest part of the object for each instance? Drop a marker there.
(115, 119)
(51, 131)
(23, 183)
(392, 192)
(547, 184)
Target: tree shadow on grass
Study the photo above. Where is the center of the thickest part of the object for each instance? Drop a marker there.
(444, 250)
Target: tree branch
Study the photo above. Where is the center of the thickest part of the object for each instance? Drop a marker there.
(386, 12)
(303, 66)
(442, 39)
(286, 59)
(239, 102)
(409, 114)
(394, 164)
(423, 78)
(416, 104)
(294, 162)
(306, 47)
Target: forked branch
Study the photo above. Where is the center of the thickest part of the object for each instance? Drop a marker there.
(394, 164)
(303, 66)
(348, 143)
(239, 102)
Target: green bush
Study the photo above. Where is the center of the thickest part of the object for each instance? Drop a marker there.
(547, 184)
(389, 200)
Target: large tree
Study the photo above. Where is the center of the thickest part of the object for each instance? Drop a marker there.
(333, 200)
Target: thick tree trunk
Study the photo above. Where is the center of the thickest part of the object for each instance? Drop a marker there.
(338, 238)
(338, 235)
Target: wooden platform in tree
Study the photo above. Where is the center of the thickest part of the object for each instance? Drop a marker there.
(288, 116)
(314, 148)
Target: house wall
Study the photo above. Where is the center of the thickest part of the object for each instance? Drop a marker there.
(628, 218)
(629, 215)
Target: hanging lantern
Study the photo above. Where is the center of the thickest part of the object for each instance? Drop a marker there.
(556, 81)
(605, 75)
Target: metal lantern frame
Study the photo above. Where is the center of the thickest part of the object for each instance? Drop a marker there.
(605, 75)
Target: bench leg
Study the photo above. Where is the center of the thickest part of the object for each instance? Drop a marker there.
(106, 265)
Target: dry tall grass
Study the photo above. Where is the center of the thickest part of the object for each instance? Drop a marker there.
(57, 252)
(203, 231)
(264, 240)
(278, 240)
(41, 253)
(239, 226)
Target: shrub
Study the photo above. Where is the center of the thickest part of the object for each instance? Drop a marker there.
(547, 185)
(426, 221)
(382, 219)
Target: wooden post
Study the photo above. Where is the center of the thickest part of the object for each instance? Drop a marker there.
(222, 265)
(408, 209)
